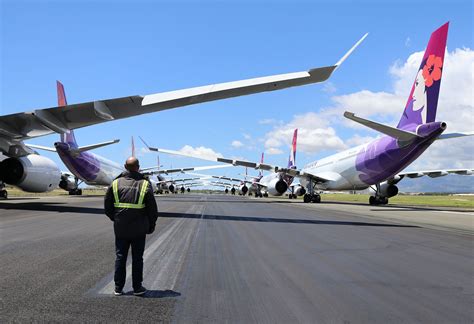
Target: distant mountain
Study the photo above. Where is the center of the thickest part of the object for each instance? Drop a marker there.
(450, 183)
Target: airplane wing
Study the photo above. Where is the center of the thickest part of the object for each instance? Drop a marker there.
(38, 122)
(430, 173)
(248, 164)
(183, 170)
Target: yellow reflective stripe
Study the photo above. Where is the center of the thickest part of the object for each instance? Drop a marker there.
(127, 205)
(115, 190)
(143, 192)
(139, 205)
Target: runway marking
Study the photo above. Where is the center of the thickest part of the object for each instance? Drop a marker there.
(163, 258)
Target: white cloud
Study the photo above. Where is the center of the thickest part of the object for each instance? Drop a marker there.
(246, 136)
(237, 144)
(314, 134)
(201, 151)
(273, 151)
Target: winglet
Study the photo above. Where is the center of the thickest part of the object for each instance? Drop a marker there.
(349, 52)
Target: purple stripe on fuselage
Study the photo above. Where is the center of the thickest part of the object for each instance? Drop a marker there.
(85, 166)
(384, 158)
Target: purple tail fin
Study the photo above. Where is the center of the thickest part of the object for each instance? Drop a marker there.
(423, 100)
(260, 173)
(69, 136)
(292, 158)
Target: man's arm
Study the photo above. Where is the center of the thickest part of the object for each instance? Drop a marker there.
(151, 208)
(109, 204)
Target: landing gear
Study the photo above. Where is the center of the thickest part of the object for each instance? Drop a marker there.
(377, 200)
(265, 195)
(314, 198)
(3, 193)
(75, 192)
(292, 196)
(311, 196)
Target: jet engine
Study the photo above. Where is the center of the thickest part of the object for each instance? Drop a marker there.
(300, 191)
(386, 190)
(277, 187)
(31, 173)
(244, 189)
(67, 182)
(171, 188)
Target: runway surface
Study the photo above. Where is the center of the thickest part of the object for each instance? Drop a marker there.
(220, 259)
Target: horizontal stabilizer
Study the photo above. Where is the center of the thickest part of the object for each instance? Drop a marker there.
(399, 134)
(40, 147)
(431, 174)
(94, 146)
(454, 135)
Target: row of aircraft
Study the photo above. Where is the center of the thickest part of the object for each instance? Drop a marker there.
(377, 165)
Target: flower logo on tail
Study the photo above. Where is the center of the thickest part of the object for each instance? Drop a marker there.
(432, 69)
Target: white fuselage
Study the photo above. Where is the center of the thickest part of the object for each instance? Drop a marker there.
(340, 168)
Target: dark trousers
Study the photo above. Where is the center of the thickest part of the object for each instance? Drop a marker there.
(121, 249)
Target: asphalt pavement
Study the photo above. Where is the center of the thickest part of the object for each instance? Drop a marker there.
(217, 258)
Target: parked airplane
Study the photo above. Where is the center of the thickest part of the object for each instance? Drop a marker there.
(24, 168)
(377, 165)
(276, 183)
(90, 168)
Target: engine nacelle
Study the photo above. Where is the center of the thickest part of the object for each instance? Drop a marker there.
(31, 173)
(244, 189)
(277, 187)
(171, 188)
(67, 182)
(300, 191)
(386, 190)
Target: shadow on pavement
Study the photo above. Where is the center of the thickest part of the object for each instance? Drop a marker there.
(155, 294)
(279, 220)
(51, 206)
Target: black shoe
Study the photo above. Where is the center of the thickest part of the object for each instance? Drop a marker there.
(140, 291)
(118, 292)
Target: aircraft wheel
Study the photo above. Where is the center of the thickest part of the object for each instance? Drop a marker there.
(4, 194)
(307, 198)
(290, 196)
(265, 195)
(316, 199)
(372, 200)
(384, 200)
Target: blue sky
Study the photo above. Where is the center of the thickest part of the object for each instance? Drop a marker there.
(106, 49)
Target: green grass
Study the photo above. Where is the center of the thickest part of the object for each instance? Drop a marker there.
(464, 201)
(15, 192)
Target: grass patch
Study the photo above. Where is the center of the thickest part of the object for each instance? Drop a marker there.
(15, 192)
(463, 201)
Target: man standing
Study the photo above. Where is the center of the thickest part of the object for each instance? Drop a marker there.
(131, 205)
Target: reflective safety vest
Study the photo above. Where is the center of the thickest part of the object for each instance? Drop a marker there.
(138, 205)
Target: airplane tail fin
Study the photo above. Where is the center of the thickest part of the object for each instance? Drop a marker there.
(292, 158)
(260, 173)
(67, 137)
(133, 147)
(423, 99)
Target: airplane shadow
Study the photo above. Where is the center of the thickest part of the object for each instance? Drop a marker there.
(280, 220)
(155, 294)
